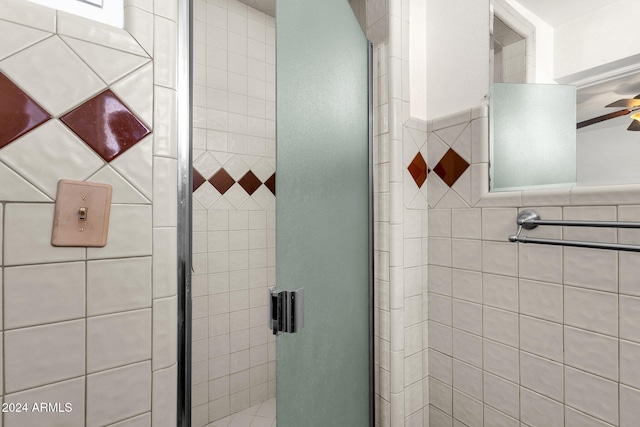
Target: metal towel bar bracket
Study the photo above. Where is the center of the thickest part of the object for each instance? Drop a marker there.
(529, 220)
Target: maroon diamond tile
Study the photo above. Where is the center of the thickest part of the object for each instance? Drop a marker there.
(106, 125)
(418, 169)
(450, 167)
(270, 183)
(249, 182)
(198, 179)
(19, 114)
(222, 181)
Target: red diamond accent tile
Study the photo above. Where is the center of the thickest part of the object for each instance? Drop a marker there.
(222, 181)
(106, 125)
(198, 179)
(450, 167)
(418, 169)
(19, 114)
(249, 182)
(271, 184)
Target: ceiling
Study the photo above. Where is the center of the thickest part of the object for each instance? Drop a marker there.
(266, 6)
(556, 12)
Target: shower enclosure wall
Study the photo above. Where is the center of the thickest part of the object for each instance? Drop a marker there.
(233, 208)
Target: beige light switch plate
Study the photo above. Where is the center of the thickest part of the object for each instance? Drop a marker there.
(82, 214)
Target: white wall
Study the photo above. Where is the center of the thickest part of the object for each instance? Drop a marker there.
(596, 38)
(457, 55)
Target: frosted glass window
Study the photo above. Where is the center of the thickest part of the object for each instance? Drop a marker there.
(532, 136)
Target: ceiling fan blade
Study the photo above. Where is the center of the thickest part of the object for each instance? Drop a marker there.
(634, 126)
(603, 118)
(626, 103)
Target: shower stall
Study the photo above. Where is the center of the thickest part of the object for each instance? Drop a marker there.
(322, 222)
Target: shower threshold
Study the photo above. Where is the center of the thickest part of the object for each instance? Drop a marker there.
(260, 415)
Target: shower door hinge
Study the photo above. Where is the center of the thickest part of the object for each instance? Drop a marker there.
(286, 310)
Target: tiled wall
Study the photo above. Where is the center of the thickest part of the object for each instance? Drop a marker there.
(92, 327)
(234, 208)
(400, 236)
(526, 334)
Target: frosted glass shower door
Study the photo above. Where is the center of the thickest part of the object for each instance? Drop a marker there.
(322, 209)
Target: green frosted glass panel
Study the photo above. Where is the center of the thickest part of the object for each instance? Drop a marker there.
(322, 205)
(532, 136)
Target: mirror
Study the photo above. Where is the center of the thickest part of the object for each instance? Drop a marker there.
(570, 42)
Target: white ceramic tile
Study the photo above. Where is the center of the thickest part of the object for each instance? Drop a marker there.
(573, 418)
(164, 262)
(500, 291)
(17, 189)
(629, 371)
(440, 309)
(127, 388)
(165, 194)
(537, 410)
(498, 223)
(542, 375)
(629, 312)
(467, 379)
(480, 140)
(143, 420)
(628, 213)
(591, 268)
(22, 37)
(467, 348)
(466, 254)
(462, 145)
(137, 92)
(451, 199)
(28, 236)
(501, 360)
(439, 418)
(493, 417)
(129, 233)
(139, 23)
(498, 199)
(440, 223)
(591, 352)
(164, 332)
(467, 316)
(467, 409)
(604, 195)
(538, 262)
(29, 14)
(109, 280)
(165, 52)
(502, 395)
(629, 406)
(42, 156)
(500, 258)
(602, 399)
(467, 285)
(543, 300)
(53, 75)
(592, 310)
(439, 279)
(43, 293)
(122, 191)
(541, 338)
(450, 134)
(136, 164)
(500, 325)
(413, 400)
(118, 339)
(440, 338)
(98, 33)
(439, 251)
(436, 189)
(554, 197)
(109, 64)
(69, 393)
(164, 396)
(440, 395)
(63, 344)
(466, 223)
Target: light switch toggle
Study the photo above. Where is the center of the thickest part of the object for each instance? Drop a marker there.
(72, 225)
